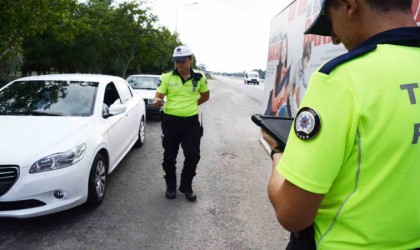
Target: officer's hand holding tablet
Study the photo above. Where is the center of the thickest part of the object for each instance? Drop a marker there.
(275, 131)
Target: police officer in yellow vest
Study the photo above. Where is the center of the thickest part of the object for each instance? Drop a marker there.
(351, 165)
(184, 89)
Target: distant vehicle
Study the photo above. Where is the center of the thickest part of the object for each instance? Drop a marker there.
(61, 136)
(251, 77)
(146, 86)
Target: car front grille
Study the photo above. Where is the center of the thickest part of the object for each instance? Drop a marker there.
(17, 205)
(8, 177)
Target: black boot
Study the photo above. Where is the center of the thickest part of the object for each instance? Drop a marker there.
(186, 188)
(189, 194)
(170, 187)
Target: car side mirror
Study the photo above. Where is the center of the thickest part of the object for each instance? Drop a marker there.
(117, 108)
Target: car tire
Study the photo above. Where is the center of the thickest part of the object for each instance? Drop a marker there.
(141, 133)
(97, 181)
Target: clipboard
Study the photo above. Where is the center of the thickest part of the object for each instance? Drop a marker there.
(276, 127)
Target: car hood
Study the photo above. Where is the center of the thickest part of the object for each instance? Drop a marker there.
(146, 93)
(32, 138)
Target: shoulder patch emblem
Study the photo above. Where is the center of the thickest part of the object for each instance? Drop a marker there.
(307, 123)
(159, 82)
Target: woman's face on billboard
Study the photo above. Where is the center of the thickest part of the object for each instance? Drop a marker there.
(283, 50)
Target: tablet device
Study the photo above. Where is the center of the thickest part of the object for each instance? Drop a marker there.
(276, 127)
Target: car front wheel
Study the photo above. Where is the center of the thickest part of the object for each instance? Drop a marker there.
(97, 181)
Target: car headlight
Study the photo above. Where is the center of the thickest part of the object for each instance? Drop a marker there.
(59, 160)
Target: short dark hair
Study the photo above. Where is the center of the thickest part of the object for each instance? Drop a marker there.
(390, 5)
(383, 5)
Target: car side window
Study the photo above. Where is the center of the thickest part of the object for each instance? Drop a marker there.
(124, 91)
(111, 94)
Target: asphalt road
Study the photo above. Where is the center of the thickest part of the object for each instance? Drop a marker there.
(232, 210)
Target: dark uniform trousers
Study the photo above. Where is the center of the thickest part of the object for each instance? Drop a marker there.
(184, 131)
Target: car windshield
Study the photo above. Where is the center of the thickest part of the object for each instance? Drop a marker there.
(143, 82)
(48, 98)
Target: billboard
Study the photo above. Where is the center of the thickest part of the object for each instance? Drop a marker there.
(293, 57)
(416, 11)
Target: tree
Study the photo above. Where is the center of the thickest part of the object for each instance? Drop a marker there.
(99, 37)
(25, 18)
(156, 56)
(137, 25)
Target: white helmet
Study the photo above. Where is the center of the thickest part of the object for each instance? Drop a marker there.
(181, 53)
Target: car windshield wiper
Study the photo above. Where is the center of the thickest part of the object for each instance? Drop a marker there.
(34, 113)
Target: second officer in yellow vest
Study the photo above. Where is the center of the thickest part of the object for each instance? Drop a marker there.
(184, 90)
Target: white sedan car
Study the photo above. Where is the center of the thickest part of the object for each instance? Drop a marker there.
(60, 137)
(146, 86)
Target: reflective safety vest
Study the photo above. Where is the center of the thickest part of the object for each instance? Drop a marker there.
(182, 96)
(365, 156)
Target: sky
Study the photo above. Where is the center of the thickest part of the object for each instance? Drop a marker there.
(224, 35)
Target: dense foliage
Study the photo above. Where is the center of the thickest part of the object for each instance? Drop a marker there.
(95, 36)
